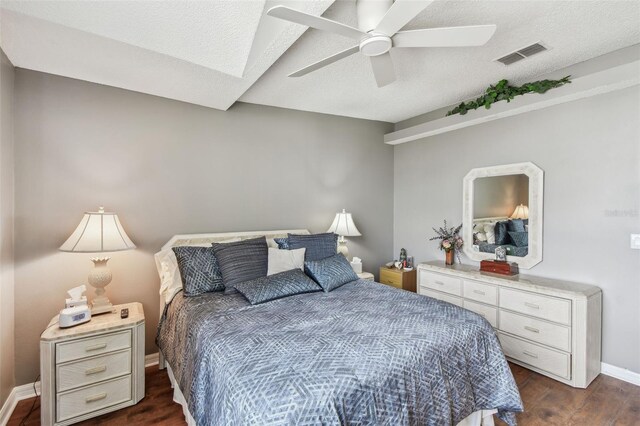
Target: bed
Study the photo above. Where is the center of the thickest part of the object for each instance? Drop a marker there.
(363, 353)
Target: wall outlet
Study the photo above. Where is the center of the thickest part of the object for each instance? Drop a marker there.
(635, 241)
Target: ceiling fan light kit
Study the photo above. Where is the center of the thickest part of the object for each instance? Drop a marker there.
(379, 24)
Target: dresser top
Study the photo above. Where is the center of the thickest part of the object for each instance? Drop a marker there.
(103, 322)
(525, 282)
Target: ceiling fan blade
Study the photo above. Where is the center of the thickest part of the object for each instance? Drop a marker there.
(383, 69)
(475, 35)
(316, 22)
(399, 14)
(326, 61)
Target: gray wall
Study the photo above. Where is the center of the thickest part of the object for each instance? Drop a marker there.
(7, 75)
(168, 167)
(590, 153)
(496, 196)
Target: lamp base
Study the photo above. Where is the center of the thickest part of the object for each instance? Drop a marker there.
(99, 278)
(342, 247)
(101, 308)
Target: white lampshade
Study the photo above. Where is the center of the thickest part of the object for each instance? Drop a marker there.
(521, 212)
(343, 225)
(98, 232)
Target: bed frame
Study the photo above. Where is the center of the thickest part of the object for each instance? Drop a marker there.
(192, 239)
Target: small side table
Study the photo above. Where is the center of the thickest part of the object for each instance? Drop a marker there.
(93, 368)
(365, 276)
(398, 278)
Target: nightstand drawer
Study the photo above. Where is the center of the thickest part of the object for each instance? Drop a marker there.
(549, 360)
(488, 312)
(480, 292)
(539, 331)
(536, 305)
(92, 370)
(441, 296)
(439, 282)
(84, 348)
(390, 277)
(93, 398)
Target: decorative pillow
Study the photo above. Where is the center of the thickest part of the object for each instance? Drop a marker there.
(285, 260)
(242, 261)
(481, 236)
(489, 230)
(283, 243)
(520, 239)
(515, 225)
(502, 237)
(319, 246)
(199, 270)
(331, 272)
(277, 286)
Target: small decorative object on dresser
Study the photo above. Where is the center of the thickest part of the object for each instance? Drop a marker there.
(499, 267)
(398, 278)
(550, 326)
(501, 254)
(92, 369)
(450, 241)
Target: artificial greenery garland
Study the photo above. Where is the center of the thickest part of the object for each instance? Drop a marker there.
(504, 92)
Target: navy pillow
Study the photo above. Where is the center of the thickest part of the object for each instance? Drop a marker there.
(502, 236)
(283, 243)
(319, 246)
(331, 272)
(277, 286)
(199, 270)
(516, 225)
(520, 239)
(241, 261)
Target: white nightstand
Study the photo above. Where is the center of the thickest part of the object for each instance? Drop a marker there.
(365, 276)
(93, 368)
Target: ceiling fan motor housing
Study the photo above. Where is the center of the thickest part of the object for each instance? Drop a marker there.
(370, 13)
(375, 45)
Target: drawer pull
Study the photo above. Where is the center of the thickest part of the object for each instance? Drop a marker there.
(96, 347)
(531, 354)
(96, 370)
(531, 305)
(439, 282)
(94, 398)
(481, 293)
(531, 329)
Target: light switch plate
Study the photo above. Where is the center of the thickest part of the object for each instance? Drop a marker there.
(635, 241)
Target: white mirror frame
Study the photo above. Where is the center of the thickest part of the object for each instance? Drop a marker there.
(536, 190)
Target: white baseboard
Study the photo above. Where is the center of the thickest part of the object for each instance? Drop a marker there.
(620, 373)
(151, 359)
(17, 394)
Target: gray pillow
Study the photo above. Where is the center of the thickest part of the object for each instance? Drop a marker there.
(241, 261)
(331, 272)
(277, 286)
(283, 243)
(199, 270)
(319, 246)
(502, 237)
(520, 239)
(516, 225)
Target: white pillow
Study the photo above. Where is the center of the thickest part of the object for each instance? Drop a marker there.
(481, 236)
(489, 229)
(285, 260)
(169, 272)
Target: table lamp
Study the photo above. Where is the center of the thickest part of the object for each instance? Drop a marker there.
(99, 232)
(521, 212)
(343, 226)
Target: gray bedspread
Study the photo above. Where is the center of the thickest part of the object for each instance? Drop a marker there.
(364, 354)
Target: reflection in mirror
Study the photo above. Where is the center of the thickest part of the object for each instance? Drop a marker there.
(501, 214)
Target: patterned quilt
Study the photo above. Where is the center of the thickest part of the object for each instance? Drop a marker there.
(363, 354)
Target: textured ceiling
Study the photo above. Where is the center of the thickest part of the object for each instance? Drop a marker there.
(432, 78)
(215, 52)
(201, 52)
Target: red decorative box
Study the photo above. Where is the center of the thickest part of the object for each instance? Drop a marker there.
(497, 267)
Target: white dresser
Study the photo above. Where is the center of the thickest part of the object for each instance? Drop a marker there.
(93, 368)
(549, 326)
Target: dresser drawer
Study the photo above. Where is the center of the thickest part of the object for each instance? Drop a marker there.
(390, 277)
(480, 292)
(83, 348)
(539, 331)
(92, 370)
(440, 282)
(549, 360)
(93, 398)
(441, 296)
(536, 305)
(488, 312)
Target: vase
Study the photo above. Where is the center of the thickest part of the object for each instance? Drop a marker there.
(449, 258)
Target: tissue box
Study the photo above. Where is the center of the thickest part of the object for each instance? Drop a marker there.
(357, 267)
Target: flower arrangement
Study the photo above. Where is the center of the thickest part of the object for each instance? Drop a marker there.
(450, 239)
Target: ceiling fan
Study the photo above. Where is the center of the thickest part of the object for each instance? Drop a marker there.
(379, 23)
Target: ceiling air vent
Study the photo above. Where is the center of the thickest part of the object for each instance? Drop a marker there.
(521, 54)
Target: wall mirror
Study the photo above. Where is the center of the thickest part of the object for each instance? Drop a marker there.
(502, 207)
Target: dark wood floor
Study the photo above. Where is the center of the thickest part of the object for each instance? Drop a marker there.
(607, 401)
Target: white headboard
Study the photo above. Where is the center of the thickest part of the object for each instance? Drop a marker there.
(190, 239)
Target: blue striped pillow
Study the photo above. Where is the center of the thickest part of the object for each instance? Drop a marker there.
(331, 272)
(277, 286)
(241, 261)
(319, 246)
